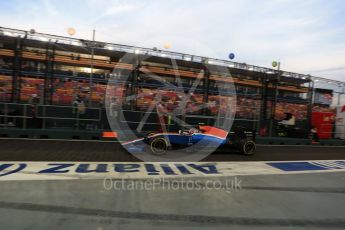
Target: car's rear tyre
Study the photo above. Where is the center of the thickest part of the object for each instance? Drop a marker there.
(247, 147)
(159, 146)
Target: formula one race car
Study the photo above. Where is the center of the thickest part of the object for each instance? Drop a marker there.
(202, 136)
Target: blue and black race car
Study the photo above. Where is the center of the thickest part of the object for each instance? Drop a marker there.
(202, 137)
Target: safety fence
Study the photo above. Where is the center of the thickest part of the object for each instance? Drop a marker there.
(89, 124)
(49, 116)
(40, 116)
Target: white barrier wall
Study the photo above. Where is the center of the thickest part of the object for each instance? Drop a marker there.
(340, 123)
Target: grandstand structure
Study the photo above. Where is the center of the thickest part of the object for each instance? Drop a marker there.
(54, 70)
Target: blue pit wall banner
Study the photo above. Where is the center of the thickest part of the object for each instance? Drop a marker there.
(129, 170)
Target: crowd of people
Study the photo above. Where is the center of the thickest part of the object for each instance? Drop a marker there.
(191, 103)
(66, 90)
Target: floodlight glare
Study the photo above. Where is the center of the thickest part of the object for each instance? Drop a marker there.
(109, 47)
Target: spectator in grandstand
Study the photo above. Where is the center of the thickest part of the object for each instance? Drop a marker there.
(313, 134)
(170, 105)
(162, 114)
(34, 101)
(289, 120)
(114, 108)
(78, 110)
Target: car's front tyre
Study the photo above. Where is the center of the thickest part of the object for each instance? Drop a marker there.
(159, 146)
(247, 147)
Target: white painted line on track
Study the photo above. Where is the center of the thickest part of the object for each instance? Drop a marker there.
(66, 140)
(310, 146)
(116, 141)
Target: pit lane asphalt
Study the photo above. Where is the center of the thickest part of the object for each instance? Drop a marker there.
(303, 201)
(290, 201)
(77, 150)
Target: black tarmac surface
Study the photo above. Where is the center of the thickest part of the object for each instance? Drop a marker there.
(76, 150)
(303, 201)
(291, 201)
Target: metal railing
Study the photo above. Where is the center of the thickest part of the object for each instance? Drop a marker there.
(55, 116)
(48, 116)
(154, 52)
(189, 120)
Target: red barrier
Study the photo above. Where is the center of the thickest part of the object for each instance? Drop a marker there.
(109, 135)
(323, 121)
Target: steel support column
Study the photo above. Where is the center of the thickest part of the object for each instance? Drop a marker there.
(17, 62)
(47, 94)
(134, 82)
(206, 87)
(310, 98)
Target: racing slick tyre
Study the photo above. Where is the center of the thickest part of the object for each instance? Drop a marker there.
(247, 147)
(159, 146)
